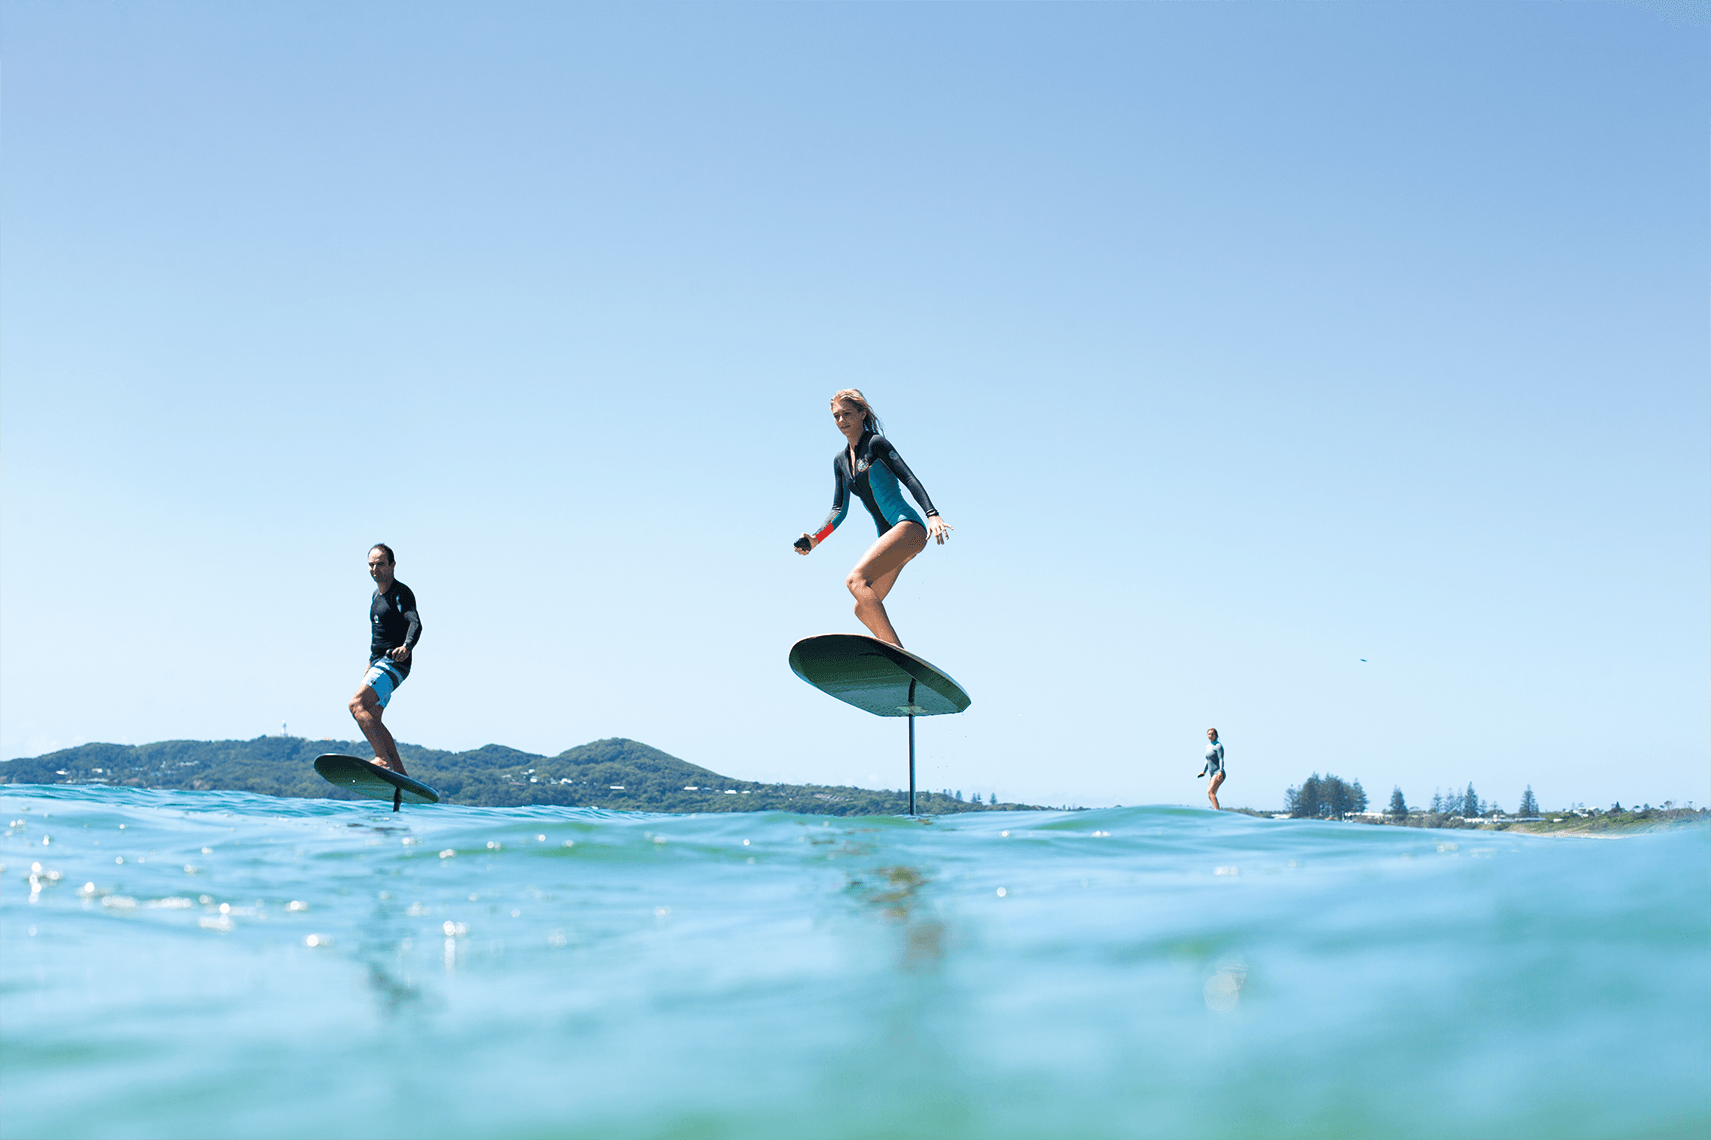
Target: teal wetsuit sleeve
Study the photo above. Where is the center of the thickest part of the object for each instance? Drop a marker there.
(840, 502)
(887, 454)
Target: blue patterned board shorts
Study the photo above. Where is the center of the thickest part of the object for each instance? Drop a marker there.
(383, 677)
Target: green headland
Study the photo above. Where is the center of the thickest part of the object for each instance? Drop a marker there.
(619, 774)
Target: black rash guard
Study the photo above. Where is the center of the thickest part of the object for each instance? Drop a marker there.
(878, 470)
(395, 622)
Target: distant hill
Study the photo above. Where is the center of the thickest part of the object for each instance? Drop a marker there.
(623, 775)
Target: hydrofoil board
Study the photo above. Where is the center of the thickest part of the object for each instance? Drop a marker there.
(876, 676)
(372, 781)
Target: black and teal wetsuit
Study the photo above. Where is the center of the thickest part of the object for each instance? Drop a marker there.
(878, 471)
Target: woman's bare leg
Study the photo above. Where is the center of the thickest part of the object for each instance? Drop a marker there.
(877, 572)
(1212, 791)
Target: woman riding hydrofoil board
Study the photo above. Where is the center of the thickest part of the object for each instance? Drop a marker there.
(1214, 766)
(869, 468)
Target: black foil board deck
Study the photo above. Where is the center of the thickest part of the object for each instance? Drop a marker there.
(876, 676)
(371, 780)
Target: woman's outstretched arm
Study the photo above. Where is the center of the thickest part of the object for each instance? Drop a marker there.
(840, 508)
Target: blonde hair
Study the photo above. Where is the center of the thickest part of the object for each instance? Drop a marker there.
(854, 396)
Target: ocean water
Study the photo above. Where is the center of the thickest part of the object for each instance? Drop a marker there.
(223, 964)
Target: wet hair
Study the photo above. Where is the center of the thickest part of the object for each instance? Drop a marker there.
(854, 396)
(390, 557)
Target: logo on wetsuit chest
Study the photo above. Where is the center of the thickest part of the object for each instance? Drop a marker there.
(862, 465)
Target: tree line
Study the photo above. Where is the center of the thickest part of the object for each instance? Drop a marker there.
(1324, 797)
(1331, 797)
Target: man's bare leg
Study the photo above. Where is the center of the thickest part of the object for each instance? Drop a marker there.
(877, 572)
(365, 708)
(1212, 790)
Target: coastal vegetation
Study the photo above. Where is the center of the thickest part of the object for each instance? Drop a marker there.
(1329, 797)
(1324, 797)
(1529, 805)
(619, 774)
(1593, 820)
(627, 775)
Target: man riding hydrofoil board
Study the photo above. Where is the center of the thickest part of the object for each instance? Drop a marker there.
(395, 627)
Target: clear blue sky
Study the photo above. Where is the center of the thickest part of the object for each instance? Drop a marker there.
(1239, 342)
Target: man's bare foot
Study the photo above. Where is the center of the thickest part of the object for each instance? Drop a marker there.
(380, 762)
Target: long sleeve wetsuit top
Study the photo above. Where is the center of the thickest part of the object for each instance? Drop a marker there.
(1214, 759)
(878, 470)
(394, 620)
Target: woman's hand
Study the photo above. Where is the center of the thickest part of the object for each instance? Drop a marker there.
(939, 529)
(805, 543)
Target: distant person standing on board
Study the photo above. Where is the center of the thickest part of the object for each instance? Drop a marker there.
(1214, 766)
(395, 627)
(870, 469)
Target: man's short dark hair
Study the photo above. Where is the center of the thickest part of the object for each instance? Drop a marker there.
(390, 557)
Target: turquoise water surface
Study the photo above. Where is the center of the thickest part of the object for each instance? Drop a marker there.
(215, 964)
